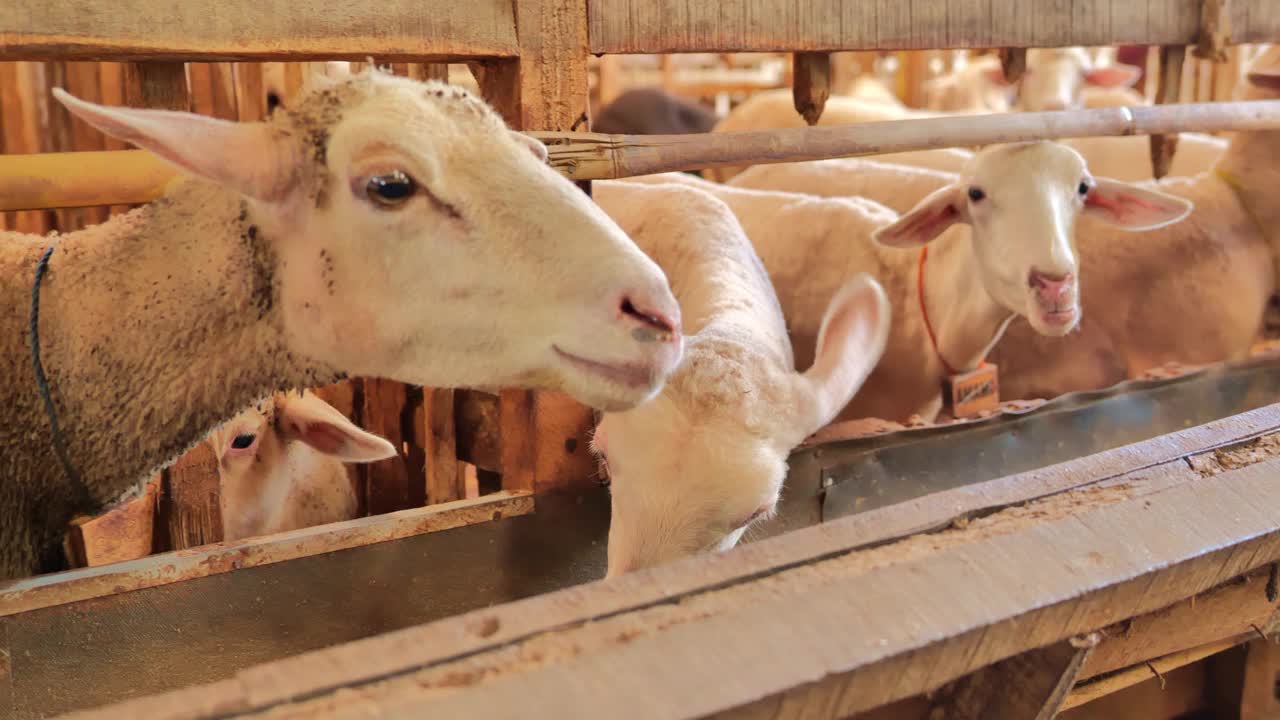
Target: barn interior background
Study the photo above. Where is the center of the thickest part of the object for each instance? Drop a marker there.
(1194, 640)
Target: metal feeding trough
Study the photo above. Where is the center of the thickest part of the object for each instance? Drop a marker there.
(77, 653)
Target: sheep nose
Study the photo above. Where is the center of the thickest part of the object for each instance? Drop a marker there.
(1049, 286)
(652, 322)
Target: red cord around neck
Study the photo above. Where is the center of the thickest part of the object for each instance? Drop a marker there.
(924, 313)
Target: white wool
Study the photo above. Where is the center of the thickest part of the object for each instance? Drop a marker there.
(1129, 157)
(692, 468)
(977, 278)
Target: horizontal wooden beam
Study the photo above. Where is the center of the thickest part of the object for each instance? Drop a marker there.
(667, 26)
(56, 180)
(58, 589)
(391, 30)
(826, 629)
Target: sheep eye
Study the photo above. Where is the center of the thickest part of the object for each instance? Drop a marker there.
(976, 194)
(243, 440)
(391, 190)
(1083, 189)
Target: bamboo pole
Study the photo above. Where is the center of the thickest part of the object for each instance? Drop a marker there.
(53, 180)
(584, 156)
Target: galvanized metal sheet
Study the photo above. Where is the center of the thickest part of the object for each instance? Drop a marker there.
(860, 475)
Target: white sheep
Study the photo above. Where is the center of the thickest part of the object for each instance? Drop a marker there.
(1000, 244)
(1128, 157)
(280, 465)
(692, 468)
(379, 227)
(1193, 293)
(775, 109)
(1055, 78)
(978, 85)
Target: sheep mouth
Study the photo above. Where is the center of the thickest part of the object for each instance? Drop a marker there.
(625, 374)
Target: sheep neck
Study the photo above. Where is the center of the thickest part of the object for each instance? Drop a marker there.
(965, 319)
(155, 327)
(1251, 166)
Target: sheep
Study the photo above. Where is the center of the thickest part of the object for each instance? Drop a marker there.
(1128, 157)
(692, 468)
(775, 109)
(379, 227)
(1104, 97)
(653, 111)
(1055, 77)
(978, 85)
(898, 187)
(1194, 293)
(280, 465)
(869, 88)
(1012, 253)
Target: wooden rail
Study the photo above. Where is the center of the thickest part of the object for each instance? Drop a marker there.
(845, 616)
(257, 29)
(128, 176)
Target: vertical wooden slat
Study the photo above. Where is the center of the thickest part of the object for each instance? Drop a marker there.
(160, 85)
(1164, 146)
(70, 133)
(251, 93)
(386, 412)
(189, 501)
(545, 89)
(346, 398)
(445, 477)
(811, 85)
(429, 71)
(519, 443)
(25, 112)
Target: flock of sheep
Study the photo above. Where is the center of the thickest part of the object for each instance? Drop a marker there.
(378, 226)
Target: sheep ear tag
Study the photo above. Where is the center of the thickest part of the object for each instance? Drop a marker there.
(969, 394)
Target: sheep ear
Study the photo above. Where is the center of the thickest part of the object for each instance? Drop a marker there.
(851, 339)
(926, 221)
(535, 145)
(995, 76)
(1265, 77)
(1113, 76)
(255, 159)
(316, 423)
(1131, 207)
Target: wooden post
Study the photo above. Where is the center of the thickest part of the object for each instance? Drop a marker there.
(1242, 681)
(1014, 63)
(445, 478)
(70, 133)
(23, 120)
(1164, 146)
(397, 483)
(811, 84)
(546, 88)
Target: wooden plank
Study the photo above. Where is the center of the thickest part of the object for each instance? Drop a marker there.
(189, 500)
(392, 484)
(213, 89)
(50, 590)
(670, 26)
(562, 428)
(160, 85)
(1030, 686)
(22, 129)
(444, 475)
(519, 443)
(479, 438)
(347, 397)
(70, 133)
(670, 586)
(258, 29)
(123, 533)
(1226, 611)
(1156, 669)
